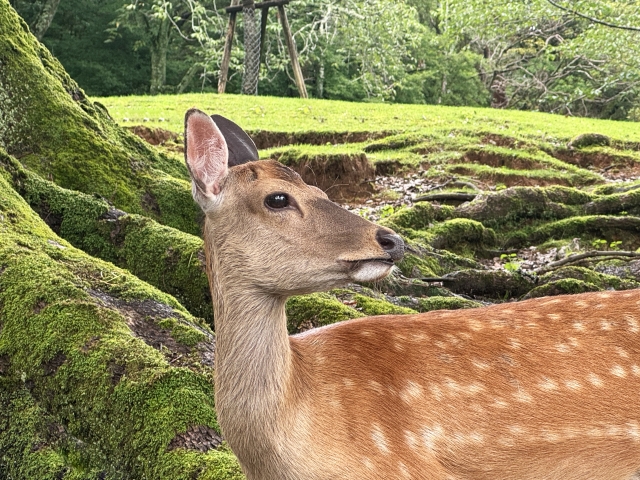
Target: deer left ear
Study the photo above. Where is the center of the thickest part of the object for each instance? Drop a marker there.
(241, 147)
(206, 155)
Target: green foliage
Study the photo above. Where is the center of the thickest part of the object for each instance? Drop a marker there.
(316, 310)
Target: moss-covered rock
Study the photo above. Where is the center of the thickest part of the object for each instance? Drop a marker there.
(445, 303)
(589, 139)
(462, 235)
(316, 310)
(419, 217)
(607, 227)
(120, 370)
(562, 287)
(601, 280)
(49, 124)
(515, 205)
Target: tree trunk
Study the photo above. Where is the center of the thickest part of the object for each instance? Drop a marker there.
(43, 21)
(101, 375)
(159, 46)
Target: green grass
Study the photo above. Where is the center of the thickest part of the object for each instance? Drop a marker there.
(300, 115)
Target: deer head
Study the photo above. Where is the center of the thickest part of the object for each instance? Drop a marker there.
(263, 217)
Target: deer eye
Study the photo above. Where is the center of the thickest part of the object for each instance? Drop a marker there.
(277, 201)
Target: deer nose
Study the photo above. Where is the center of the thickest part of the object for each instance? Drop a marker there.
(391, 243)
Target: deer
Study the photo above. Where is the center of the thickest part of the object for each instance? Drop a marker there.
(546, 388)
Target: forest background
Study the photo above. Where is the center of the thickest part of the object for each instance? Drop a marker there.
(571, 57)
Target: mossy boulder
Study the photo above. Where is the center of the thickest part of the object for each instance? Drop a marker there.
(316, 310)
(562, 287)
(462, 235)
(588, 140)
(445, 303)
(101, 375)
(419, 217)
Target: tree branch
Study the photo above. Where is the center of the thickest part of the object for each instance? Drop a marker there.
(594, 20)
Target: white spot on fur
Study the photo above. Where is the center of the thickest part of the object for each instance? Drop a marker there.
(553, 316)
(579, 326)
(403, 470)
(379, 439)
(481, 364)
(514, 343)
(523, 396)
(499, 403)
(633, 324)
(411, 392)
(436, 391)
(622, 352)
(548, 385)
(573, 385)
(475, 324)
(636, 370)
(440, 344)
(549, 436)
(562, 347)
(633, 431)
(476, 437)
(618, 371)
(347, 382)
(367, 463)
(582, 303)
(431, 435)
(375, 386)
(452, 385)
(605, 325)
(595, 380)
(411, 439)
(474, 388)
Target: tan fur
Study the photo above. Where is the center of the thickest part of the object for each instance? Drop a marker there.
(542, 389)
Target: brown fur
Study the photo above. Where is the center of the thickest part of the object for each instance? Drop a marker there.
(542, 389)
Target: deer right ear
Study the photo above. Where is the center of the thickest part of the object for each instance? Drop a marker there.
(206, 155)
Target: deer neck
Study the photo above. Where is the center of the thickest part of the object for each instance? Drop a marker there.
(253, 358)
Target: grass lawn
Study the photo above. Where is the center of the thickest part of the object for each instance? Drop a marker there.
(299, 115)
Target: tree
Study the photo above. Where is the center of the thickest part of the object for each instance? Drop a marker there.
(537, 56)
(87, 387)
(40, 14)
(157, 21)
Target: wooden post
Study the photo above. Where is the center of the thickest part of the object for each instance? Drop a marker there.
(297, 71)
(226, 55)
(263, 30)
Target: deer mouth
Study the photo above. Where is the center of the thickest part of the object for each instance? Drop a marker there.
(370, 269)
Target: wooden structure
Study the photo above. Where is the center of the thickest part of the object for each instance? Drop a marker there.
(233, 10)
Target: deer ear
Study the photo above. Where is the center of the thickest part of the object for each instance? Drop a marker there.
(206, 155)
(241, 147)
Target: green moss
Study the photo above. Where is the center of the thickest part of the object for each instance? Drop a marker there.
(416, 266)
(562, 287)
(445, 303)
(419, 217)
(56, 132)
(589, 139)
(610, 228)
(600, 280)
(374, 306)
(462, 235)
(165, 257)
(316, 310)
(79, 333)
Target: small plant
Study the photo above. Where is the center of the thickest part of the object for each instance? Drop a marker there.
(510, 264)
(599, 244)
(387, 211)
(615, 245)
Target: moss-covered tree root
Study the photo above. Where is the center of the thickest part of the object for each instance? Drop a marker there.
(112, 377)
